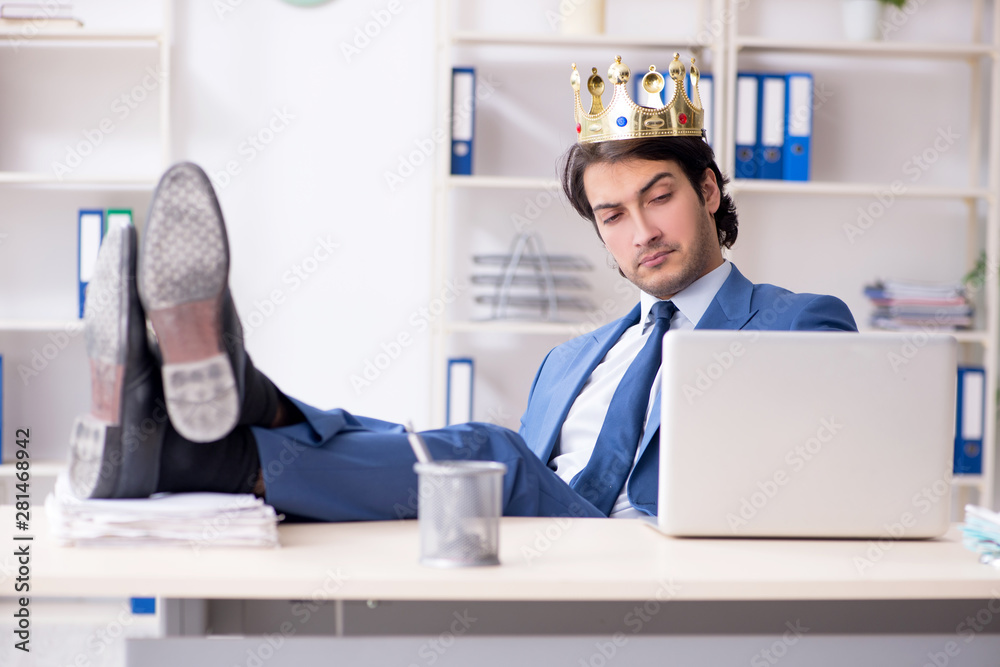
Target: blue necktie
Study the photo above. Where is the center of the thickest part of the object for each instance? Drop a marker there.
(601, 480)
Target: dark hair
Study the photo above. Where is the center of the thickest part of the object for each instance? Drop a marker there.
(692, 153)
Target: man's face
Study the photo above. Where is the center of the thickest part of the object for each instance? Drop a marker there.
(650, 218)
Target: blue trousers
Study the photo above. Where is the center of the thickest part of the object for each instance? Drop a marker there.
(335, 466)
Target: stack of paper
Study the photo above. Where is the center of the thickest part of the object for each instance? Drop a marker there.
(197, 520)
(981, 533)
(902, 305)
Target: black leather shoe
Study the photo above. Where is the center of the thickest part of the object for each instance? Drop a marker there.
(183, 284)
(115, 449)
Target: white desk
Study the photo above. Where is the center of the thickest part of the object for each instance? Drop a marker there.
(365, 579)
(542, 560)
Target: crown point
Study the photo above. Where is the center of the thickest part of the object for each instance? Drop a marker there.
(677, 68)
(619, 71)
(652, 68)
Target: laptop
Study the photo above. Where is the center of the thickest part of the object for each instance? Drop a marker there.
(806, 434)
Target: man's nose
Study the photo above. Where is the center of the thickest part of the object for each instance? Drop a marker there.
(645, 231)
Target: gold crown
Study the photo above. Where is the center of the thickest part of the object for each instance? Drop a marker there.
(682, 116)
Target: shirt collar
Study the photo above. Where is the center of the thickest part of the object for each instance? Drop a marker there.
(693, 300)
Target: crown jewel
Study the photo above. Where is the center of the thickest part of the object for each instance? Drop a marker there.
(681, 116)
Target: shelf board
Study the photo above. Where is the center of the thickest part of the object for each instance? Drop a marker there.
(967, 481)
(80, 35)
(503, 183)
(873, 48)
(469, 37)
(976, 337)
(40, 325)
(519, 327)
(832, 189)
(48, 180)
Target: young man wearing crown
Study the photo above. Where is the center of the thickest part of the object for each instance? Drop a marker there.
(188, 411)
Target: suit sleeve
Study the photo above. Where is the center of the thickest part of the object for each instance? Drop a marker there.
(824, 313)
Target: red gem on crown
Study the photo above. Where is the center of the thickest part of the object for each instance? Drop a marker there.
(578, 128)
(683, 118)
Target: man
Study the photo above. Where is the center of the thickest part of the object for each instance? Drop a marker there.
(587, 443)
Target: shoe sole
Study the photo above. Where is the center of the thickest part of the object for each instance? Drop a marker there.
(95, 442)
(183, 273)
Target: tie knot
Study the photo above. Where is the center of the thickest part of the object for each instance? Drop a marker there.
(663, 310)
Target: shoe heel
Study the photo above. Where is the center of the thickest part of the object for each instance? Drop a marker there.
(198, 380)
(202, 399)
(95, 458)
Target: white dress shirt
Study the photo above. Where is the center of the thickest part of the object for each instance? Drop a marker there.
(586, 416)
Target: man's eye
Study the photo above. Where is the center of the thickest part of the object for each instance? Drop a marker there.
(664, 197)
(611, 218)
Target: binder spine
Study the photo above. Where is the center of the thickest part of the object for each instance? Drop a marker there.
(463, 119)
(747, 107)
(90, 231)
(459, 399)
(969, 421)
(706, 88)
(798, 128)
(772, 126)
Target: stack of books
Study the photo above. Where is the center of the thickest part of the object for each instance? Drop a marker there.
(903, 305)
(195, 520)
(981, 533)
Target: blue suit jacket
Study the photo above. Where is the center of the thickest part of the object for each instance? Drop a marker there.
(739, 304)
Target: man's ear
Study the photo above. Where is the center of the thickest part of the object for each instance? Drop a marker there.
(710, 190)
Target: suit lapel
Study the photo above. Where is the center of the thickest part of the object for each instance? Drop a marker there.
(565, 390)
(730, 309)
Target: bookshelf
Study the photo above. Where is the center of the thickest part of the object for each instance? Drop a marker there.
(957, 200)
(69, 82)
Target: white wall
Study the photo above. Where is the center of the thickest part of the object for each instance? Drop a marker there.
(320, 178)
